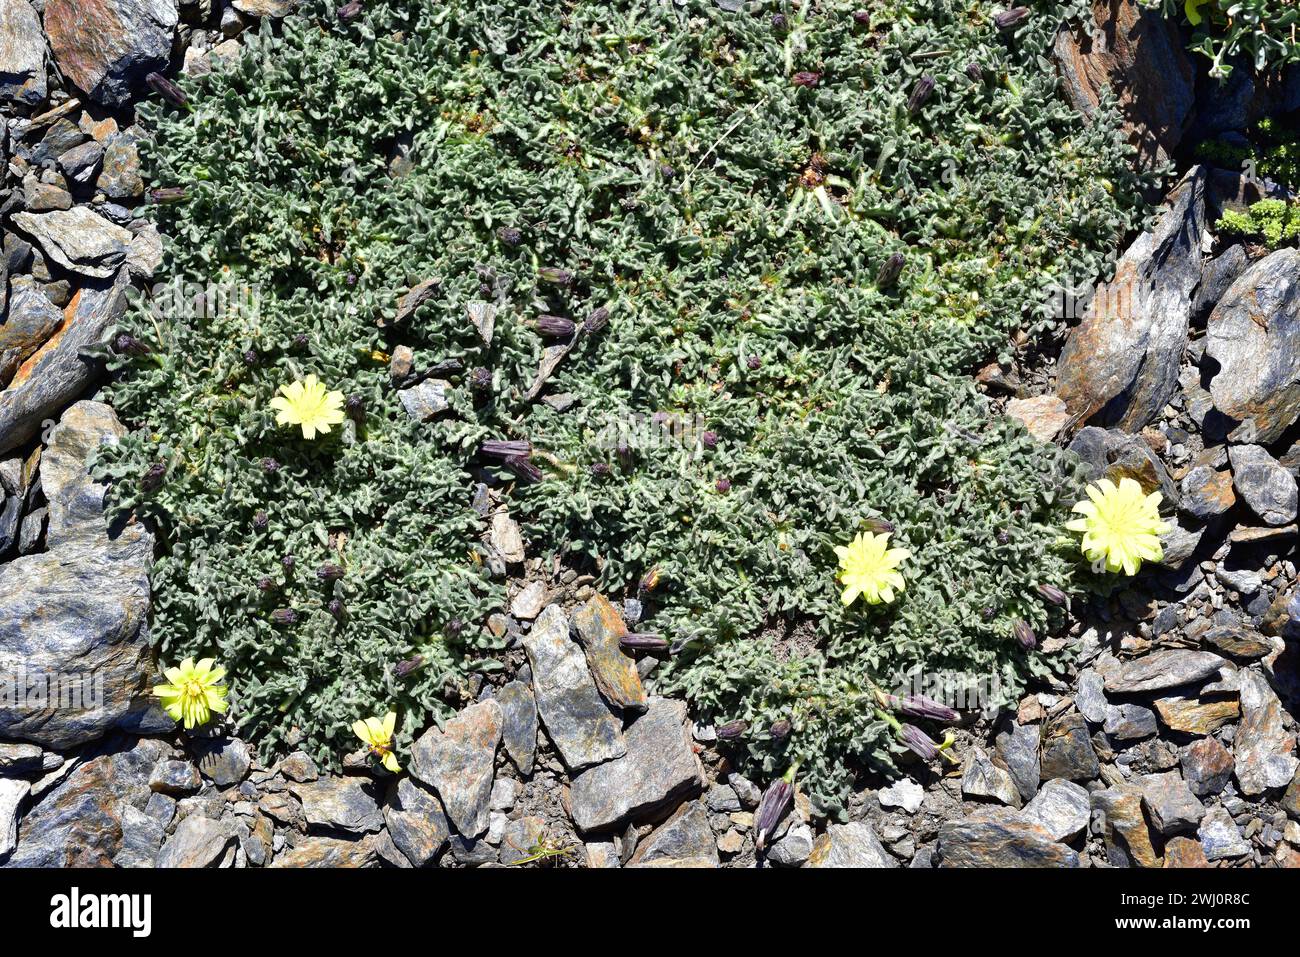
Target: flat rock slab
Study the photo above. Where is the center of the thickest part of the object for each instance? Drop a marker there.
(331, 852)
(1067, 750)
(1220, 837)
(340, 804)
(580, 723)
(416, 821)
(1263, 749)
(1254, 336)
(850, 845)
(1159, 670)
(1000, 842)
(1207, 766)
(197, 842)
(984, 779)
(519, 728)
(78, 239)
(684, 840)
(1264, 484)
(22, 54)
(1192, 716)
(12, 794)
(1170, 803)
(599, 627)
(106, 47)
(659, 768)
(1062, 808)
(458, 762)
(1124, 827)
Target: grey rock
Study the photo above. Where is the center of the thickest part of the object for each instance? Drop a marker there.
(722, 799)
(505, 791)
(1263, 749)
(175, 777)
(1120, 365)
(73, 618)
(1124, 827)
(12, 795)
(1067, 750)
(658, 769)
(22, 54)
(1244, 581)
(1017, 748)
(1129, 722)
(520, 837)
(684, 840)
(1263, 484)
(1254, 336)
(850, 845)
(483, 315)
(458, 762)
(78, 239)
(340, 804)
(1090, 697)
(197, 842)
(1161, 669)
(32, 320)
(1115, 455)
(473, 851)
(20, 760)
(425, 400)
(81, 163)
(505, 538)
(266, 8)
(1062, 808)
(580, 724)
(142, 838)
(107, 47)
(599, 626)
(1220, 837)
(793, 849)
(299, 767)
(984, 779)
(1000, 842)
(907, 794)
(223, 761)
(528, 604)
(416, 821)
(1207, 766)
(1206, 492)
(1220, 273)
(1170, 803)
(331, 852)
(1238, 642)
(119, 176)
(519, 728)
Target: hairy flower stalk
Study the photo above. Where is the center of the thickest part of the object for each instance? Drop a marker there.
(777, 801)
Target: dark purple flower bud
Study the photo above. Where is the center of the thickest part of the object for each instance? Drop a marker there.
(355, 404)
(890, 270)
(167, 89)
(250, 357)
(261, 521)
(600, 470)
(1053, 594)
(862, 18)
(126, 344)
(754, 362)
(506, 448)
(300, 341)
(974, 72)
(920, 93)
(776, 803)
(709, 440)
(642, 641)
(167, 194)
(1024, 635)
(480, 380)
(409, 666)
(524, 469)
(349, 11)
(731, 730)
(351, 279)
(335, 608)
(270, 466)
(918, 742)
(330, 572)
(780, 730)
(284, 616)
(878, 526)
(988, 612)
(919, 706)
(1010, 19)
(1003, 538)
(806, 78)
(510, 236)
(556, 327)
(455, 627)
(265, 585)
(153, 477)
(779, 21)
(597, 321)
(723, 485)
(288, 562)
(555, 275)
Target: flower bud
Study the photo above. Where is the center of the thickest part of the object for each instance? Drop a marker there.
(862, 18)
(779, 21)
(878, 526)
(754, 362)
(597, 321)
(780, 730)
(556, 327)
(1010, 19)
(330, 572)
(266, 584)
(723, 485)
(349, 11)
(777, 801)
(918, 742)
(166, 89)
(288, 562)
(1053, 594)
(335, 608)
(600, 469)
(125, 344)
(1024, 635)
(284, 616)
(524, 469)
(506, 448)
(889, 271)
(480, 380)
(919, 706)
(261, 521)
(806, 78)
(731, 730)
(974, 72)
(153, 477)
(709, 440)
(408, 666)
(920, 93)
(642, 641)
(555, 275)
(251, 357)
(649, 581)
(510, 236)
(167, 194)
(355, 404)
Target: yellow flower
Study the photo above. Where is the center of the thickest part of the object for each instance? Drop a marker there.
(306, 403)
(193, 692)
(868, 567)
(1121, 526)
(378, 735)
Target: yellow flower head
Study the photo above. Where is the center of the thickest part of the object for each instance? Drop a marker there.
(869, 567)
(193, 692)
(1121, 526)
(378, 736)
(307, 404)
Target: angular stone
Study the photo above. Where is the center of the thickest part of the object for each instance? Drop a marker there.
(793, 849)
(19, 760)
(684, 840)
(1254, 336)
(107, 47)
(416, 821)
(519, 727)
(908, 795)
(1261, 481)
(32, 320)
(1124, 826)
(1062, 808)
(142, 838)
(505, 537)
(599, 627)
(1207, 766)
(458, 763)
(1241, 643)
(1129, 722)
(1090, 698)
(78, 239)
(331, 852)
(1121, 363)
(1220, 837)
(984, 779)
(1207, 492)
(12, 795)
(521, 837)
(1158, 670)
(1291, 799)
(299, 767)
(1043, 415)
(119, 176)
(1017, 749)
(1140, 56)
(1191, 716)
(1170, 803)
(1067, 750)
(340, 804)
(1184, 852)
(425, 400)
(1000, 842)
(1263, 749)
(22, 54)
(659, 768)
(72, 618)
(266, 8)
(175, 777)
(850, 845)
(223, 761)
(579, 722)
(197, 842)
(528, 604)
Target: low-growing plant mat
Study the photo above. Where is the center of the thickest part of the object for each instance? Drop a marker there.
(807, 227)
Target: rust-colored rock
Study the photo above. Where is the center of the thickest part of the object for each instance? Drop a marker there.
(1196, 717)
(599, 627)
(1043, 415)
(107, 47)
(1184, 852)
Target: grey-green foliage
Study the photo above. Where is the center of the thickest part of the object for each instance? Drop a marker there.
(664, 156)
